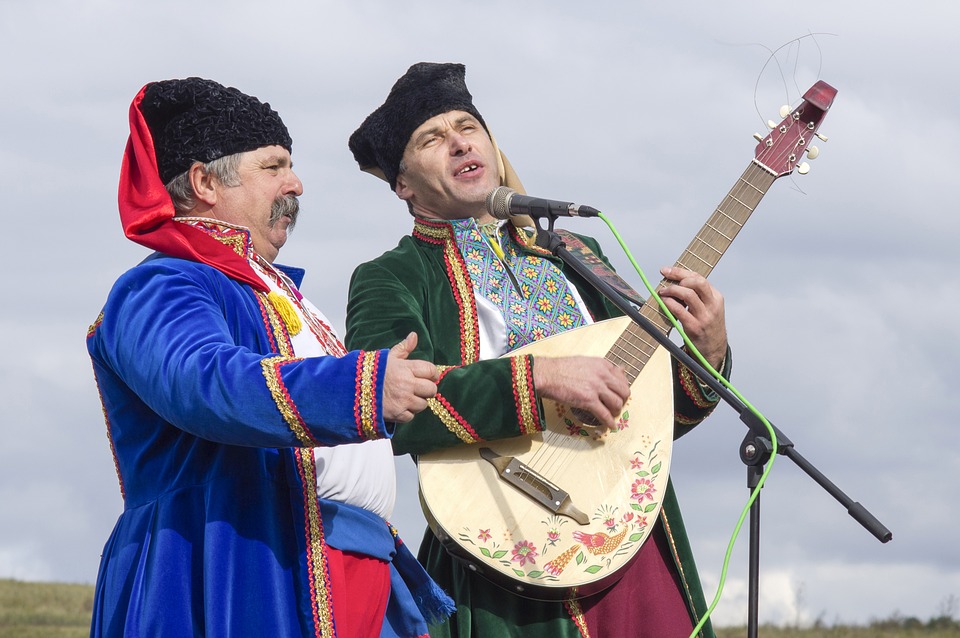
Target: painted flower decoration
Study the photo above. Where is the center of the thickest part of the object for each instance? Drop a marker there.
(524, 552)
(641, 490)
(484, 535)
(636, 463)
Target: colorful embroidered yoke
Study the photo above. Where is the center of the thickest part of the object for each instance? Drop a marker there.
(531, 292)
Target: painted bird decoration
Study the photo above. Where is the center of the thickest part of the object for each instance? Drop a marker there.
(599, 543)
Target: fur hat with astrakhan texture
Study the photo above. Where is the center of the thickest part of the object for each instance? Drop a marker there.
(425, 90)
(196, 120)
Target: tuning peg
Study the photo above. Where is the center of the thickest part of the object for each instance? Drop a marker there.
(758, 137)
(771, 124)
(821, 136)
(803, 168)
(813, 152)
(784, 110)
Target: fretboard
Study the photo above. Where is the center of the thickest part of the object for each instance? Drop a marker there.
(634, 347)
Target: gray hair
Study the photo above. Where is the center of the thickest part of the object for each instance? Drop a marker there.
(225, 169)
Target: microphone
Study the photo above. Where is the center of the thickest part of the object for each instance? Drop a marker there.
(504, 202)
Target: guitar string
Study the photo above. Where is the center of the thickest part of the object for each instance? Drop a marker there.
(556, 452)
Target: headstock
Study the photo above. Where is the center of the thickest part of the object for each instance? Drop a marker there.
(781, 151)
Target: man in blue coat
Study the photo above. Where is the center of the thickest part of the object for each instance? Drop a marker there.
(252, 449)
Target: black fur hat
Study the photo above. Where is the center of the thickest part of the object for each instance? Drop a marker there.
(197, 120)
(425, 90)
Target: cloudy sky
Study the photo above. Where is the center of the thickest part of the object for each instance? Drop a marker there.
(842, 293)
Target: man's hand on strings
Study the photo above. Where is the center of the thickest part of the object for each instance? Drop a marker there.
(589, 383)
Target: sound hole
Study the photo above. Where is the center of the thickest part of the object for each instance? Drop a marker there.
(585, 417)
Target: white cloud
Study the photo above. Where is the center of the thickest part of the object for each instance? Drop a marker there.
(841, 291)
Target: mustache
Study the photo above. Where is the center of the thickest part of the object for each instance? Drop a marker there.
(286, 205)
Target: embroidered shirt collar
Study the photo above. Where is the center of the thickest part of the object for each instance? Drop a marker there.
(235, 237)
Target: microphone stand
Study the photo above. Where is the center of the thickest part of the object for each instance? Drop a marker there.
(756, 447)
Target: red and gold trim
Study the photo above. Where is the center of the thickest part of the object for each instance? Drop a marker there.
(691, 606)
(106, 417)
(276, 328)
(693, 389)
(525, 398)
(271, 367)
(365, 398)
(441, 234)
(321, 593)
(576, 615)
(96, 324)
(271, 372)
(450, 418)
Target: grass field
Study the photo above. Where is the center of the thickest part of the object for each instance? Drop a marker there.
(56, 610)
(44, 610)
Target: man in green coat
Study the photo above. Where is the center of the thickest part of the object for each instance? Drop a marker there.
(475, 289)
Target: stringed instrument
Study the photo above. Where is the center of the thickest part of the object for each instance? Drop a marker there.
(559, 514)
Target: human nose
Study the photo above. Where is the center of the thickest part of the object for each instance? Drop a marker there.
(459, 144)
(294, 185)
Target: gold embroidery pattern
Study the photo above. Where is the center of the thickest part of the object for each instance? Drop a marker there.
(685, 420)
(91, 331)
(576, 615)
(236, 238)
(271, 372)
(524, 396)
(95, 325)
(461, 285)
(463, 290)
(277, 327)
(451, 422)
(365, 409)
(677, 562)
(320, 592)
(691, 386)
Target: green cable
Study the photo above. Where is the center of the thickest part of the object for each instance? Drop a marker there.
(719, 377)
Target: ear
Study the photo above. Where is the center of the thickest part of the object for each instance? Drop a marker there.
(402, 189)
(203, 184)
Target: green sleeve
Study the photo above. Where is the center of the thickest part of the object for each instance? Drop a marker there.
(481, 401)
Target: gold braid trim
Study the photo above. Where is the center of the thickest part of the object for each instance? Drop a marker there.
(442, 233)
(277, 326)
(366, 405)
(523, 389)
(576, 615)
(694, 389)
(316, 548)
(271, 372)
(450, 421)
(459, 277)
(676, 559)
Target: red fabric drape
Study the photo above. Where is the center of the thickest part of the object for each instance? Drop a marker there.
(146, 210)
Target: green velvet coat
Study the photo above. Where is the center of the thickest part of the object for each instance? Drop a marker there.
(422, 286)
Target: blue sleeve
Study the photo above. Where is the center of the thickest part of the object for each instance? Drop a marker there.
(196, 348)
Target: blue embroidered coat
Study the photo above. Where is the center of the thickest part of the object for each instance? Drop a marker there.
(211, 421)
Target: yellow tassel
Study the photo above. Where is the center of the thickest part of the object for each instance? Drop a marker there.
(285, 309)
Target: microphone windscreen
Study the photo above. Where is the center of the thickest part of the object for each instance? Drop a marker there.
(498, 202)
